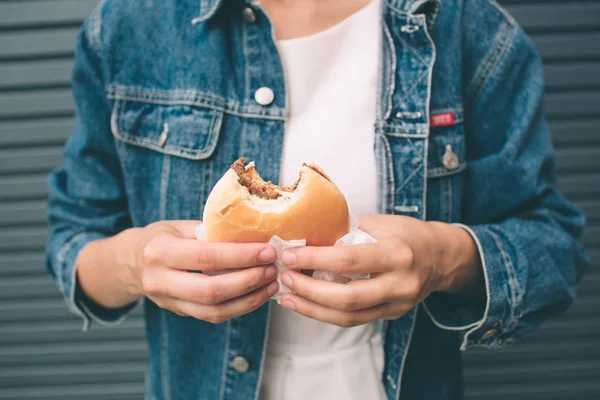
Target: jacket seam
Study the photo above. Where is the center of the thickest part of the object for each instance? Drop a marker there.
(94, 28)
(392, 69)
(405, 355)
(513, 282)
(199, 101)
(490, 62)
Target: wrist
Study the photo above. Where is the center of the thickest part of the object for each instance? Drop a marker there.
(457, 260)
(126, 250)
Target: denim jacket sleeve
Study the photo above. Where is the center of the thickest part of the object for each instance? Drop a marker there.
(527, 233)
(86, 193)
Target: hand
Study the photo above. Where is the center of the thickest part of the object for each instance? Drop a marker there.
(164, 254)
(410, 260)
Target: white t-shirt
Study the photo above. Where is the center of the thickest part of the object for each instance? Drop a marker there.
(331, 81)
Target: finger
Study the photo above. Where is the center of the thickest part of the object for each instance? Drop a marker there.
(322, 313)
(187, 228)
(189, 254)
(355, 295)
(359, 258)
(205, 289)
(224, 311)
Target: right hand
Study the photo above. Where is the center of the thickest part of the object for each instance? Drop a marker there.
(166, 254)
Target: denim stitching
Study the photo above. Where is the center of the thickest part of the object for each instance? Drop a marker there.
(403, 134)
(397, 10)
(496, 62)
(412, 329)
(61, 255)
(513, 282)
(164, 186)
(171, 149)
(415, 148)
(472, 327)
(409, 177)
(102, 322)
(484, 68)
(203, 105)
(171, 96)
(428, 113)
(509, 18)
(412, 49)
(391, 194)
(205, 15)
(415, 85)
(440, 172)
(382, 181)
(118, 91)
(491, 61)
(431, 18)
(391, 71)
(95, 27)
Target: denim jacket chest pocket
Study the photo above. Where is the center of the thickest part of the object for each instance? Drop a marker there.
(170, 141)
(446, 164)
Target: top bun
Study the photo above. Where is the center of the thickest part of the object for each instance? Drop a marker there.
(243, 208)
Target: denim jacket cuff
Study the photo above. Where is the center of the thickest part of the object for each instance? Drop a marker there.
(485, 325)
(76, 300)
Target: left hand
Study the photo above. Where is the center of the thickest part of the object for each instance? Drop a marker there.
(410, 260)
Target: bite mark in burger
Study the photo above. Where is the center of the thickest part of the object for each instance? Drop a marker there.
(243, 208)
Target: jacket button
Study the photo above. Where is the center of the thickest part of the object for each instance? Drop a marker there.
(240, 364)
(264, 96)
(249, 15)
(450, 159)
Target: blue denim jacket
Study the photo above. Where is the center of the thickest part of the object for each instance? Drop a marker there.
(164, 92)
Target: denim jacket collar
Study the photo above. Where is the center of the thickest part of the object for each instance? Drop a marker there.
(430, 8)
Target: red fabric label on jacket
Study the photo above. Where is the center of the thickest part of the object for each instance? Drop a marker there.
(445, 119)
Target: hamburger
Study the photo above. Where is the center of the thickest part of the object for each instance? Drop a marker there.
(243, 208)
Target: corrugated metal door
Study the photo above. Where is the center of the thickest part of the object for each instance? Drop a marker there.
(43, 354)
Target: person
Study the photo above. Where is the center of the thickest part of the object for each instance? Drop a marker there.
(427, 115)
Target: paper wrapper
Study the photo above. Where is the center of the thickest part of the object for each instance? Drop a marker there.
(355, 236)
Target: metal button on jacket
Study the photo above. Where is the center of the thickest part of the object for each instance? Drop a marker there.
(240, 364)
(264, 96)
(249, 15)
(450, 159)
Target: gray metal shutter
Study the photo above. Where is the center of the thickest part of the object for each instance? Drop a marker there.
(43, 354)
(561, 360)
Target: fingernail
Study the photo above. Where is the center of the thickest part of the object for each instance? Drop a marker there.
(288, 258)
(288, 304)
(267, 255)
(270, 272)
(272, 289)
(287, 280)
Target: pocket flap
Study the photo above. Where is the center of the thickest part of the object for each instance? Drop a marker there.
(180, 130)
